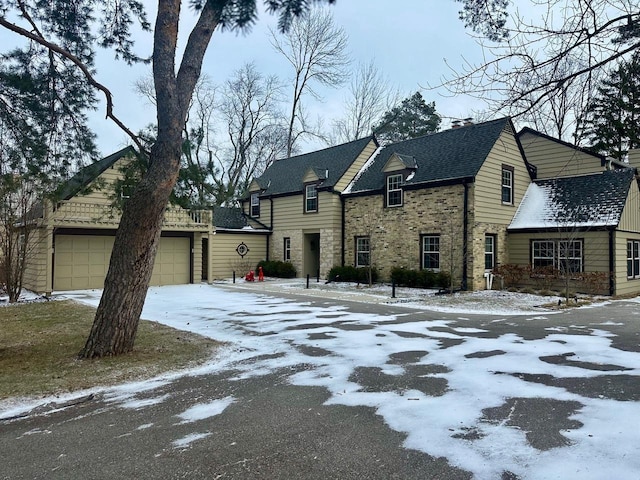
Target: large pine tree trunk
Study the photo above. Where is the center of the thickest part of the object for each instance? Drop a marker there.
(134, 251)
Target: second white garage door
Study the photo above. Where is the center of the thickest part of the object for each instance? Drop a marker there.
(82, 261)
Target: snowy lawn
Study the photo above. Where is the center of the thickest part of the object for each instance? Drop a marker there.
(456, 390)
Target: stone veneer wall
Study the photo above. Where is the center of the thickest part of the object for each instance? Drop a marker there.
(330, 248)
(396, 232)
(476, 268)
(276, 247)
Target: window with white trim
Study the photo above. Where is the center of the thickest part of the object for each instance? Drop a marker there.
(633, 258)
(543, 253)
(255, 205)
(431, 252)
(310, 199)
(563, 255)
(363, 251)
(489, 252)
(570, 256)
(286, 256)
(394, 190)
(507, 184)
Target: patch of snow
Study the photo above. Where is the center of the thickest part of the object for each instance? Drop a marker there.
(605, 446)
(186, 441)
(205, 410)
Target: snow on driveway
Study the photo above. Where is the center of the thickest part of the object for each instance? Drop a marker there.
(455, 391)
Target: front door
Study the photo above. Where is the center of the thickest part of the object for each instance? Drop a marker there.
(311, 260)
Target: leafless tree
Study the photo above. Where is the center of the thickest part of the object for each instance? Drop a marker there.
(317, 51)
(369, 96)
(229, 140)
(18, 224)
(533, 63)
(255, 130)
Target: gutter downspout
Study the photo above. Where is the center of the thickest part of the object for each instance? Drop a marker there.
(270, 227)
(611, 261)
(342, 233)
(465, 233)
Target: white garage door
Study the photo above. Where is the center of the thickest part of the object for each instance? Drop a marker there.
(82, 261)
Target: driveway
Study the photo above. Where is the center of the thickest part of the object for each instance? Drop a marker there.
(312, 387)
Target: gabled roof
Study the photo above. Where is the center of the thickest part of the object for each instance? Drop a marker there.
(89, 173)
(595, 200)
(452, 154)
(285, 176)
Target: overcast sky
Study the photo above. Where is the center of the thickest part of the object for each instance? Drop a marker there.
(409, 41)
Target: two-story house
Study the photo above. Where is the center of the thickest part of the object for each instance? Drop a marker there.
(441, 201)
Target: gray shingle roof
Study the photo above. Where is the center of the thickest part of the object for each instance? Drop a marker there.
(595, 200)
(452, 154)
(285, 176)
(229, 217)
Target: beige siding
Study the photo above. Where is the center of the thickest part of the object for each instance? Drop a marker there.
(102, 189)
(553, 159)
(310, 176)
(290, 221)
(596, 250)
(488, 192)
(355, 167)
(630, 219)
(624, 285)
(289, 212)
(35, 275)
(225, 259)
(394, 164)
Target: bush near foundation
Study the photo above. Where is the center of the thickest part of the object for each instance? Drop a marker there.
(352, 274)
(276, 268)
(512, 273)
(404, 277)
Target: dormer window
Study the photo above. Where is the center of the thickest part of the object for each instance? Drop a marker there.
(394, 190)
(255, 205)
(310, 198)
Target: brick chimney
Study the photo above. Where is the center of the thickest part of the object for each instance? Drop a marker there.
(467, 121)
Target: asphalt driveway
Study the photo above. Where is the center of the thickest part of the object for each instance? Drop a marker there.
(312, 387)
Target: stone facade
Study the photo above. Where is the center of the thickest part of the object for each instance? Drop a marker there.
(276, 247)
(396, 233)
(330, 244)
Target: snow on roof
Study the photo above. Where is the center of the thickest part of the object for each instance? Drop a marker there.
(574, 202)
(364, 168)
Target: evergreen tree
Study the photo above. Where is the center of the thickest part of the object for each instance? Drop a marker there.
(412, 118)
(613, 118)
(64, 35)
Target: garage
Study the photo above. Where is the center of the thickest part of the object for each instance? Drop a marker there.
(81, 261)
